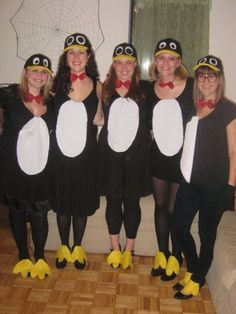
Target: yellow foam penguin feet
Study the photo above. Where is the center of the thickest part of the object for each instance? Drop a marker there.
(127, 259)
(159, 264)
(190, 290)
(78, 257)
(180, 285)
(114, 258)
(40, 269)
(172, 268)
(63, 256)
(23, 267)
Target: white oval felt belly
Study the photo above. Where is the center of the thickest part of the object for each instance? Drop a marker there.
(167, 126)
(123, 124)
(186, 161)
(33, 146)
(71, 128)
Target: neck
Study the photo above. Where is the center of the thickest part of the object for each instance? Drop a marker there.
(166, 79)
(34, 91)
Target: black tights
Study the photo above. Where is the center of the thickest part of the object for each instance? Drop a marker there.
(130, 215)
(64, 224)
(164, 196)
(39, 226)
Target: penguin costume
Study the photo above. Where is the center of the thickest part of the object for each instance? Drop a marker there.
(124, 144)
(24, 167)
(74, 146)
(171, 105)
(209, 171)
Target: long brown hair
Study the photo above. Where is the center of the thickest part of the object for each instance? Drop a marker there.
(62, 83)
(109, 88)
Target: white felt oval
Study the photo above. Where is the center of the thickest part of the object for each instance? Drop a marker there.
(33, 146)
(186, 161)
(71, 128)
(123, 124)
(167, 126)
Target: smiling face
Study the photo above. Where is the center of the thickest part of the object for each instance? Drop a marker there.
(166, 64)
(36, 78)
(77, 60)
(207, 83)
(124, 68)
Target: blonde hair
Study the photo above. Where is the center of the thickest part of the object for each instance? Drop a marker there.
(180, 72)
(24, 90)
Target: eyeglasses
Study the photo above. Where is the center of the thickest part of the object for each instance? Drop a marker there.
(211, 78)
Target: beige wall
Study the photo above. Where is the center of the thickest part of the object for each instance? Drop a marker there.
(223, 40)
(114, 18)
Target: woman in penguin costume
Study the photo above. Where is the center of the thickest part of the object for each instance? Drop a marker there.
(74, 146)
(170, 99)
(208, 164)
(123, 152)
(24, 172)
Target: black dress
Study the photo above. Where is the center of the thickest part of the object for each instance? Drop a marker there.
(163, 166)
(74, 174)
(125, 173)
(15, 182)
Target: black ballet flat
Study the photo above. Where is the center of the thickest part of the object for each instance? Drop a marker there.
(180, 296)
(178, 287)
(173, 262)
(79, 265)
(192, 287)
(157, 272)
(62, 264)
(165, 277)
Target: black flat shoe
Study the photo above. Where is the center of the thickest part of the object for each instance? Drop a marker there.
(177, 287)
(165, 277)
(157, 272)
(180, 296)
(173, 266)
(62, 264)
(79, 265)
(190, 290)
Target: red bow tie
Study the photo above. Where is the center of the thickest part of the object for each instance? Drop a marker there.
(31, 97)
(202, 103)
(119, 84)
(74, 77)
(169, 84)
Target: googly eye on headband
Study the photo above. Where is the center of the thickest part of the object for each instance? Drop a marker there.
(211, 62)
(39, 61)
(168, 45)
(124, 50)
(77, 40)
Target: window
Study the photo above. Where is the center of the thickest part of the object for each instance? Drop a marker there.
(185, 20)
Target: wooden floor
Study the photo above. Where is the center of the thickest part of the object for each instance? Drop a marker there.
(96, 290)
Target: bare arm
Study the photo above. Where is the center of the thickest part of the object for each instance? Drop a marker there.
(231, 138)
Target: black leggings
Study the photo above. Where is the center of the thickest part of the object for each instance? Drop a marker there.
(130, 215)
(164, 193)
(207, 201)
(64, 224)
(20, 212)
